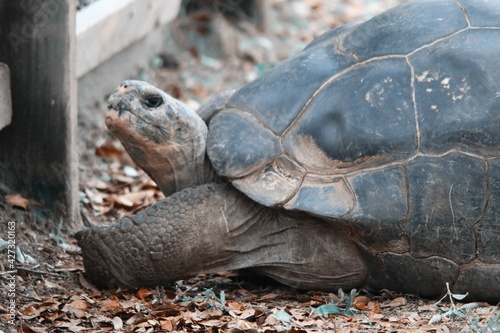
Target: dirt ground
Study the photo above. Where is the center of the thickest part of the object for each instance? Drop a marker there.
(208, 54)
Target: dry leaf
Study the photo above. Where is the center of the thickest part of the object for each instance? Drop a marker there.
(360, 302)
(27, 329)
(124, 179)
(79, 304)
(429, 307)
(334, 297)
(111, 149)
(236, 305)
(109, 304)
(132, 320)
(117, 323)
(211, 322)
(17, 200)
(168, 325)
(245, 314)
(399, 301)
(75, 312)
(134, 198)
(30, 312)
(269, 296)
(143, 293)
(166, 310)
(98, 184)
(51, 285)
(211, 313)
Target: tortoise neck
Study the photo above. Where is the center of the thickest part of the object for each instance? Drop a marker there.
(183, 163)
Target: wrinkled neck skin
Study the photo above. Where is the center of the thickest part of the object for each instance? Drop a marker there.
(172, 152)
(211, 228)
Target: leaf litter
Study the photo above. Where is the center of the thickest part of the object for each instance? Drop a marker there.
(53, 294)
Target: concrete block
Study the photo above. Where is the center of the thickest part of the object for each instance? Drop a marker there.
(106, 27)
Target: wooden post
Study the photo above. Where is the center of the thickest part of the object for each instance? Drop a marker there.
(38, 153)
(5, 102)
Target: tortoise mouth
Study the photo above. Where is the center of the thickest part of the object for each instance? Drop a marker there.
(122, 112)
(117, 119)
(113, 109)
(123, 123)
(118, 113)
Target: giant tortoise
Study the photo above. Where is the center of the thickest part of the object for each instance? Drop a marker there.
(371, 159)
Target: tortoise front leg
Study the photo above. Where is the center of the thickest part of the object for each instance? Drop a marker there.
(211, 228)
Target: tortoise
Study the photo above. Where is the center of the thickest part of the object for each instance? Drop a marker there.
(369, 160)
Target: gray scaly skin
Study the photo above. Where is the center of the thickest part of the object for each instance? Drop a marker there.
(203, 225)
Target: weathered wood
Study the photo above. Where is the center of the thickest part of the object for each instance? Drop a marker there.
(5, 100)
(38, 156)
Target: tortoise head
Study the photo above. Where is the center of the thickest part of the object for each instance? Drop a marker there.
(163, 136)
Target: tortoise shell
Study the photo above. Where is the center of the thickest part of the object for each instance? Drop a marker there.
(393, 124)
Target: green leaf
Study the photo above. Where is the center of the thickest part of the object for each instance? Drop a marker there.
(459, 297)
(469, 306)
(435, 319)
(327, 309)
(283, 316)
(348, 303)
(341, 295)
(454, 313)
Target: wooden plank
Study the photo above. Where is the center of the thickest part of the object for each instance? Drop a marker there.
(38, 156)
(5, 100)
(108, 26)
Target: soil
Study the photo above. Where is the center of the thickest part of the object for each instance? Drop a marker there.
(208, 54)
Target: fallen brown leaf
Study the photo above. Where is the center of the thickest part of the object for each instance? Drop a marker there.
(212, 322)
(98, 184)
(30, 312)
(236, 305)
(134, 199)
(78, 313)
(360, 302)
(27, 329)
(269, 297)
(79, 304)
(399, 301)
(17, 200)
(143, 293)
(166, 310)
(245, 314)
(109, 304)
(168, 325)
(110, 149)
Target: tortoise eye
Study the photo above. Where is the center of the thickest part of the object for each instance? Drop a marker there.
(153, 101)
